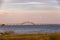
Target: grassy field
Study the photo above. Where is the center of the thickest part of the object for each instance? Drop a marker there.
(52, 36)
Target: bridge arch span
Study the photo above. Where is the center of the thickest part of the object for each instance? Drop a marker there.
(27, 23)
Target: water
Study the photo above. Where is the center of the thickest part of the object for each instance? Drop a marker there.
(31, 29)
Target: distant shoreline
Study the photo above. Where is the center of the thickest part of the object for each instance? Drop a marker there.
(31, 25)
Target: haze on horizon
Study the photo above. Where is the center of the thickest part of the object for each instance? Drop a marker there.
(37, 11)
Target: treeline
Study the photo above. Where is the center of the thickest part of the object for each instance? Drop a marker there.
(2, 24)
(31, 25)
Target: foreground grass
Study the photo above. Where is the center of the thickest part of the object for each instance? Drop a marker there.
(48, 36)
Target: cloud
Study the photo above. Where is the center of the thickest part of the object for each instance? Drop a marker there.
(49, 2)
(22, 1)
(33, 3)
(57, 7)
(53, 2)
(29, 6)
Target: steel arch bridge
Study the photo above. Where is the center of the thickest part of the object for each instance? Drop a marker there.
(31, 23)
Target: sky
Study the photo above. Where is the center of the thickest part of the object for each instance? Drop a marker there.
(37, 11)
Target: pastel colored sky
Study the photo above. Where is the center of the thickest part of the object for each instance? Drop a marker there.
(37, 11)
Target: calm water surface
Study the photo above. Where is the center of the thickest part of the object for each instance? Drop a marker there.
(31, 29)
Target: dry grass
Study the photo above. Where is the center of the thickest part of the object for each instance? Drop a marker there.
(54, 36)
